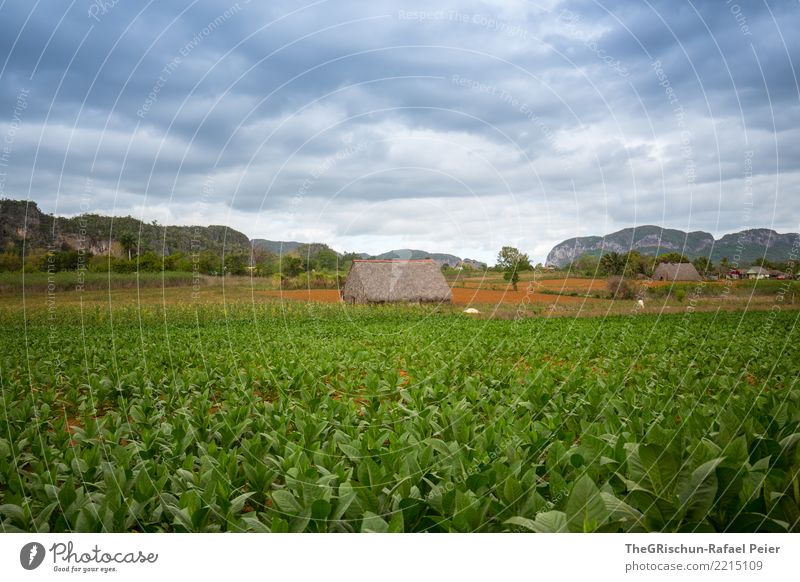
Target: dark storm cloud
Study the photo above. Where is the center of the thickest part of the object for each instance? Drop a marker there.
(566, 118)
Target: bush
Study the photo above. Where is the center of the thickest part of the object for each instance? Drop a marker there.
(123, 265)
(680, 295)
(149, 262)
(98, 264)
(10, 261)
(619, 288)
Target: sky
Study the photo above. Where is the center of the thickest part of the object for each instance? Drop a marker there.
(454, 127)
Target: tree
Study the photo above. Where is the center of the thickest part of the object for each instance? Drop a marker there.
(10, 261)
(149, 262)
(35, 261)
(512, 261)
(317, 257)
(327, 260)
(586, 264)
(291, 266)
(672, 258)
(510, 257)
(512, 277)
(347, 261)
(128, 242)
(63, 261)
(122, 265)
(703, 265)
(635, 264)
(207, 262)
(173, 261)
(612, 263)
(236, 264)
(765, 263)
(266, 263)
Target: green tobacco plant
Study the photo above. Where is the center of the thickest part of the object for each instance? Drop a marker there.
(310, 418)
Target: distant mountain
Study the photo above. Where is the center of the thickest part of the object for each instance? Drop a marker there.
(440, 258)
(473, 264)
(753, 242)
(21, 222)
(292, 247)
(747, 244)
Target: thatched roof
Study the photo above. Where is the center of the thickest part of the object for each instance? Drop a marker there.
(676, 272)
(383, 281)
(758, 271)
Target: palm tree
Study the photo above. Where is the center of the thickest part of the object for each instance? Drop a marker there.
(128, 242)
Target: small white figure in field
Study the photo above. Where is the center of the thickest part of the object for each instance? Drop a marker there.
(471, 310)
(640, 304)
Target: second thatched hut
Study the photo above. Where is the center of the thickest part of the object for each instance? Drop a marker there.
(676, 272)
(393, 281)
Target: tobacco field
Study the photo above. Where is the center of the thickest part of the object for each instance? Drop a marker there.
(324, 418)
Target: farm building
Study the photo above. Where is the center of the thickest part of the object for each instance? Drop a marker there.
(757, 273)
(387, 281)
(676, 272)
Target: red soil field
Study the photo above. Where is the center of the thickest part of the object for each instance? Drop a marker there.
(574, 284)
(476, 296)
(569, 285)
(460, 296)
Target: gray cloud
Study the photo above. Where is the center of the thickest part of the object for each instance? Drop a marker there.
(458, 126)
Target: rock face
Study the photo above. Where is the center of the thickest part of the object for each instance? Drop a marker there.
(23, 224)
(473, 264)
(654, 240)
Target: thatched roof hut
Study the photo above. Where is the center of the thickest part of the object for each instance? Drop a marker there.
(676, 272)
(757, 272)
(386, 281)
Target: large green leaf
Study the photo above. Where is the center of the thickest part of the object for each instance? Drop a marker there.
(286, 502)
(585, 510)
(372, 523)
(618, 510)
(656, 467)
(551, 522)
(698, 494)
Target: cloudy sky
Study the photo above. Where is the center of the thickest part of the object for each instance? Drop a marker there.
(448, 126)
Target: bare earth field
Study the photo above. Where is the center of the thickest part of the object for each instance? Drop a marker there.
(569, 284)
(461, 296)
(492, 296)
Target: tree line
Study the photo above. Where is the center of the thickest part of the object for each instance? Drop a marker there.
(511, 262)
(634, 263)
(258, 262)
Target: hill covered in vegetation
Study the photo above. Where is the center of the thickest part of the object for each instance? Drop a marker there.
(747, 245)
(38, 241)
(22, 223)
